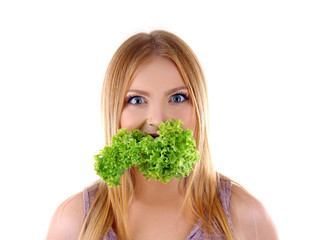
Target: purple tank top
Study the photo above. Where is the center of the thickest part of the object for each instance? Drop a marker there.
(196, 233)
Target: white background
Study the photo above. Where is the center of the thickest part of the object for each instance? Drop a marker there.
(263, 61)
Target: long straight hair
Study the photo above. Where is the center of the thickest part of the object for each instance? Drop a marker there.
(201, 203)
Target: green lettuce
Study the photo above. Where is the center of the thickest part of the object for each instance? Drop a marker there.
(172, 154)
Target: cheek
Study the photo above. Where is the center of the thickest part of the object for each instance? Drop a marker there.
(129, 120)
(191, 120)
(188, 117)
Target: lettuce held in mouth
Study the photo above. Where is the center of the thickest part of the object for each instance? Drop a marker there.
(171, 154)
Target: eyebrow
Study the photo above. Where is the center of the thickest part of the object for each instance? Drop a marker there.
(173, 90)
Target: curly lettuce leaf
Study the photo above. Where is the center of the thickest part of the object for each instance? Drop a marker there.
(172, 154)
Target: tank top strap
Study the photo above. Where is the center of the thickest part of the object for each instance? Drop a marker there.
(89, 194)
(224, 193)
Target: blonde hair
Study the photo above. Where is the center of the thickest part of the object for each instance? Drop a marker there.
(201, 204)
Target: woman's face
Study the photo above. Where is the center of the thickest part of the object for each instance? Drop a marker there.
(157, 94)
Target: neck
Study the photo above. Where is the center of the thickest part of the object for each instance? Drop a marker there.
(156, 192)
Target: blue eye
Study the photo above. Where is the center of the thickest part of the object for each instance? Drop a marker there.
(177, 98)
(136, 100)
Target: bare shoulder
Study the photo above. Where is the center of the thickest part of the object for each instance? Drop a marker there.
(67, 220)
(249, 217)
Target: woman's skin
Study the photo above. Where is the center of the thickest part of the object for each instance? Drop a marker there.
(156, 94)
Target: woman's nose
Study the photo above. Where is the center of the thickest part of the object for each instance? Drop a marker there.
(156, 115)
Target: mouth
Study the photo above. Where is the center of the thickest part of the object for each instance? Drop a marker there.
(154, 135)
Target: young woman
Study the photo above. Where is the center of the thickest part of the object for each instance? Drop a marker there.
(151, 79)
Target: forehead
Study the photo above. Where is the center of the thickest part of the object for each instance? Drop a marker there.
(158, 72)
